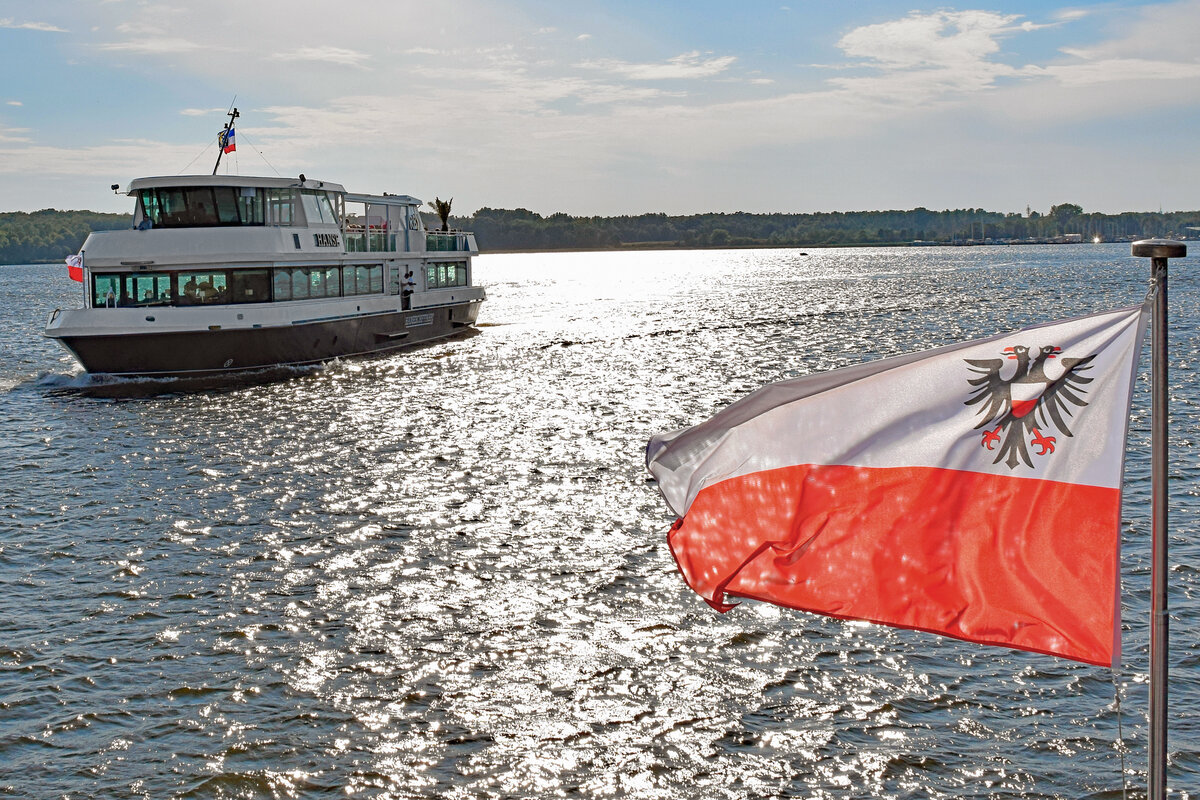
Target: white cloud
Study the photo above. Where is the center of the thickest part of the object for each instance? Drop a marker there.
(686, 65)
(154, 46)
(1071, 14)
(201, 112)
(951, 39)
(119, 159)
(14, 103)
(328, 54)
(1121, 70)
(31, 26)
(14, 135)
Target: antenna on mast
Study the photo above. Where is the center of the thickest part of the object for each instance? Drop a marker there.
(223, 138)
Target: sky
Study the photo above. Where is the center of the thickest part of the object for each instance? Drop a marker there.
(617, 107)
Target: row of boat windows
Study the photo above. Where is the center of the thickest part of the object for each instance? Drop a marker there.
(211, 206)
(201, 287)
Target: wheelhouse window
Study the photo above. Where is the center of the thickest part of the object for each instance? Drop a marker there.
(281, 206)
(200, 206)
(317, 207)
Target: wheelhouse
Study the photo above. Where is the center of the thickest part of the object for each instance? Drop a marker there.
(216, 203)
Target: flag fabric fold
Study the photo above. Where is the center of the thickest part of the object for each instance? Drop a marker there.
(972, 491)
(75, 267)
(226, 141)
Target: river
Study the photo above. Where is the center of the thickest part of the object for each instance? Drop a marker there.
(444, 573)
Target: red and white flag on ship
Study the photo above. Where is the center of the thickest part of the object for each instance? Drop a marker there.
(973, 490)
(75, 267)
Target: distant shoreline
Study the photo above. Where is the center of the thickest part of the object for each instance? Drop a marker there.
(660, 247)
(639, 247)
(49, 235)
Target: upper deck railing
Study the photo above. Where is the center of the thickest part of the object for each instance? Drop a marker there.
(360, 241)
(447, 241)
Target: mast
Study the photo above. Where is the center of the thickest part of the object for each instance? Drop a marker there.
(223, 137)
(1158, 251)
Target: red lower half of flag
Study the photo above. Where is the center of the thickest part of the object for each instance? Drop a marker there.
(1017, 562)
(75, 273)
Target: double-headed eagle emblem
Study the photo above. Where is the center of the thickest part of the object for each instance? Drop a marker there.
(1015, 409)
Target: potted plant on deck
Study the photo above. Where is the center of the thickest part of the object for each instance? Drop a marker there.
(442, 209)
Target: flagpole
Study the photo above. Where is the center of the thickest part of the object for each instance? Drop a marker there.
(1158, 251)
(223, 137)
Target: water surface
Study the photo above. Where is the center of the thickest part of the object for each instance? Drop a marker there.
(443, 573)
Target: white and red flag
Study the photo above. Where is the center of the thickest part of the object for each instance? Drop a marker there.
(973, 490)
(75, 267)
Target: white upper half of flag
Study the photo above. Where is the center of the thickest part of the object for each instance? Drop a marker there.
(912, 411)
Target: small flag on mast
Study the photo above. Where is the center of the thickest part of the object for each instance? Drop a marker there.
(226, 141)
(75, 267)
(972, 491)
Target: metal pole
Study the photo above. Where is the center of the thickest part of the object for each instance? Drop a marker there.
(221, 139)
(1158, 251)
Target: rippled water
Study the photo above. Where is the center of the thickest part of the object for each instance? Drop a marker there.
(444, 573)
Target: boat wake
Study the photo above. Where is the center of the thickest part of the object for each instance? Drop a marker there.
(84, 384)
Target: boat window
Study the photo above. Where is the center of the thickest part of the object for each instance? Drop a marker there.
(250, 205)
(444, 274)
(324, 282)
(281, 288)
(300, 283)
(146, 289)
(200, 206)
(201, 287)
(106, 291)
(249, 286)
(281, 206)
(350, 280)
(317, 207)
(362, 279)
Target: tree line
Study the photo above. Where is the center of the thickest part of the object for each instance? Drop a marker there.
(521, 229)
(50, 235)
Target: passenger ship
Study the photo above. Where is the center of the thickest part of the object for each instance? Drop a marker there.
(228, 273)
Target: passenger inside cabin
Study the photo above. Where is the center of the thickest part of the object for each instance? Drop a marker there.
(149, 296)
(189, 291)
